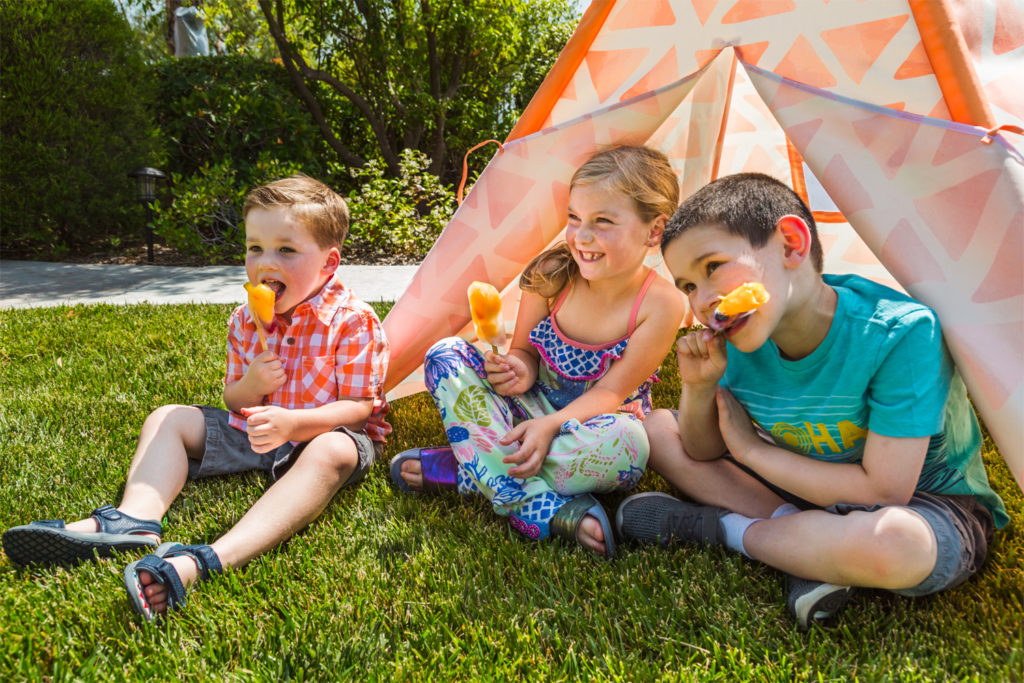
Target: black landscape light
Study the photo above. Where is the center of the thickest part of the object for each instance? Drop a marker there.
(145, 192)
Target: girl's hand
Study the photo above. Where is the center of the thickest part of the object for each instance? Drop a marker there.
(701, 357)
(535, 439)
(735, 425)
(508, 375)
(266, 373)
(268, 427)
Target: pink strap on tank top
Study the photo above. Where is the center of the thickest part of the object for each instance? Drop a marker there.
(632, 314)
(639, 300)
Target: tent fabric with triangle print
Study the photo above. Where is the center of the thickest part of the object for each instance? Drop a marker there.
(875, 111)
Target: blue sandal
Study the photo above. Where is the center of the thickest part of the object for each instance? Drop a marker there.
(165, 574)
(440, 469)
(49, 542)
(567, 520)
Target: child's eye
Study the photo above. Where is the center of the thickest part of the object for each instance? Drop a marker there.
(253, 249)
(686, 287)
(286, 250)
(712, 266)
(573, 218)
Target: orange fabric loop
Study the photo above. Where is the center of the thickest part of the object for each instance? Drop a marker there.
(465, 164)
(987, 140)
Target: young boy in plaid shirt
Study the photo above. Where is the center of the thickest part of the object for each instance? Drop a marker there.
(315, 392)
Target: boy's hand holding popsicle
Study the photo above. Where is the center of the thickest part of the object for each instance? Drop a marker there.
(701, 354)
(266, 373)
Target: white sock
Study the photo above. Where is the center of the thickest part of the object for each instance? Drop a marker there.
(785, 509)
(735, 525)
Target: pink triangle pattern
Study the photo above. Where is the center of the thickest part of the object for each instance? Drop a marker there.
(908, 257)
(996, 365)
(1005, 279)
(954, 212)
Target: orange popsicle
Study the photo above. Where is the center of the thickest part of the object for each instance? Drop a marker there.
(747, 297)
(261, 305)
(485, 307)
(737, 304)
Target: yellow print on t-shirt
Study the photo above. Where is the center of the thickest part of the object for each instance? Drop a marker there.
(819, 437)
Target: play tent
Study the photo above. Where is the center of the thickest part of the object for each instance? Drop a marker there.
(878, 112)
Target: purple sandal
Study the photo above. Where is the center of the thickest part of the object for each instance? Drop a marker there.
(440, 469)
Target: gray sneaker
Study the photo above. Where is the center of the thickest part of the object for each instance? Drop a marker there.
(659, 518)
(811, 601)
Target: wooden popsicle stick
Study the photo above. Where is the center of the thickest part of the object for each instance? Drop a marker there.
(261, 332)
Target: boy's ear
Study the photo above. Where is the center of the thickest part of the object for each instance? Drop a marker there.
(796, 239)
(332, 261)
(657, 230)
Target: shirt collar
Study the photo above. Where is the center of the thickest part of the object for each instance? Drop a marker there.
(324, 304)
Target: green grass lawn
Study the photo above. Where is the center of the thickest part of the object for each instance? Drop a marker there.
(387, 586)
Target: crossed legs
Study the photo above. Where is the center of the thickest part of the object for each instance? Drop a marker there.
(892, 547)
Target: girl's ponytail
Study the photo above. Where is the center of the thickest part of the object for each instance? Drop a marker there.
(550, 272)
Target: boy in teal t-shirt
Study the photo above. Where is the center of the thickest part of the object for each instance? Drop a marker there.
(864, 468)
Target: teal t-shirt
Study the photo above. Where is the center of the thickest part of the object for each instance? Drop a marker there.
(882, 367)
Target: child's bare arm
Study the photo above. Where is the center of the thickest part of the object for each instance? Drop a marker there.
(886, 475)
(646, 349)
(271, 426)
(702, 360)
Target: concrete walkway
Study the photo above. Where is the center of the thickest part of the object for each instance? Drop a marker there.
(27, 284)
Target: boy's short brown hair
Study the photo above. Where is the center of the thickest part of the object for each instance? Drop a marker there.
(318, 207)
(747, 205)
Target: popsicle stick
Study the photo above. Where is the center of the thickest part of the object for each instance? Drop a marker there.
(261, 332)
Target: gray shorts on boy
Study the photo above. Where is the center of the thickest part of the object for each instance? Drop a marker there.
(228, 451)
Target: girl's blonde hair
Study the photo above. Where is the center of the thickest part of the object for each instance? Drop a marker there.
(640, 173)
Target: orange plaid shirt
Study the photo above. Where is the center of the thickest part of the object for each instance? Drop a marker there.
(334, 348)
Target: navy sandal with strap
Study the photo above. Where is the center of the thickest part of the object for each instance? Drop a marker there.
(440, 469)
(50, 542)
(164, 573)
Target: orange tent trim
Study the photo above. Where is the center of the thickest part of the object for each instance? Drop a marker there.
(562, 72)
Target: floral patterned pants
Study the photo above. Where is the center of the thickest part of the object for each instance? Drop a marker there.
(605, 453)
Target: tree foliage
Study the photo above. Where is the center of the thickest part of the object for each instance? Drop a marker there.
(233, 27)
(431, 75)
(75, 120)
(234, 108)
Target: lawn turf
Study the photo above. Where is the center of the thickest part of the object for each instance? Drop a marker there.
(389, 586)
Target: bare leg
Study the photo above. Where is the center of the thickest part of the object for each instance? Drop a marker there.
(890, 548)
(711, 482)
(290, 504)
(170, 436)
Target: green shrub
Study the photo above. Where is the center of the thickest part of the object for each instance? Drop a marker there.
(400, 216)
(74, 121)
(234, 107)
(204, 216)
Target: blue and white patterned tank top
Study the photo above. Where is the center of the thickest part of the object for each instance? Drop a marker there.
(568, 368)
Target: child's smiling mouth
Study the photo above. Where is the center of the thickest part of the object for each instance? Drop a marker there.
(590, 256)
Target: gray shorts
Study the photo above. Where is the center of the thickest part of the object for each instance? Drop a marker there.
(963, 531)
(228, 451)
